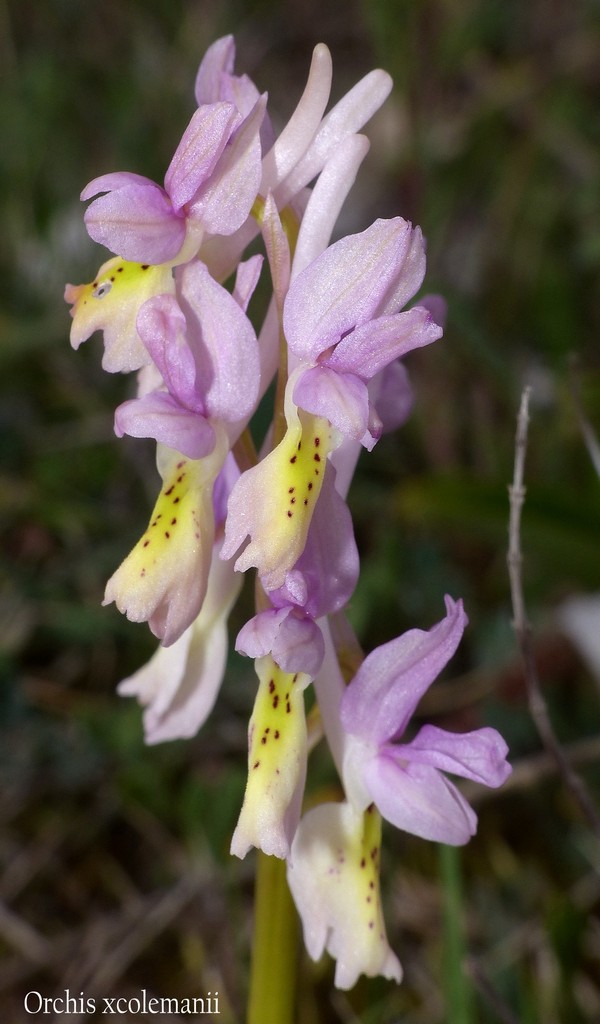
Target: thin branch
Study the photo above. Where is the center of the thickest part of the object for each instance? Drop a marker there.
(522, 627)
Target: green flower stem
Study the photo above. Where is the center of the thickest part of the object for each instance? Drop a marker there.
(459, 996)
(274, 946)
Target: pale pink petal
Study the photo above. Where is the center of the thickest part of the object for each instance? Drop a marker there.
(346, 118)
(371, 347)
(478, 755)
(162, 327)
(343, 287)
(160, 416)
(390, 682)
(278, 250)
(257, 636)
(137, 222)
(342, 398)
(420, 800)
(224, 199)
(223, 342)
(298, 646)
(326, 200)
(217, 62)
(393, 396)
(411, 278)
(197, 154)
(299, 132)
(113, 181)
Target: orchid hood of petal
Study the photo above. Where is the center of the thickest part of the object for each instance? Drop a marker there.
(350, 283)
(405, 780)
(333, 874)
(385, 691)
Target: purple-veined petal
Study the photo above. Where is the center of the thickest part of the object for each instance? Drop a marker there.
(342, 398)
(343, 287)
(419, 799)
(333, 875)
(392, 679)
(299, 132)
(478, 755)
(224, 200)
(372, 346)
(197, 154)
(217, 62)
(161, 416)
(223, 342)
(162, 327)
(137, 222)
(411, 277)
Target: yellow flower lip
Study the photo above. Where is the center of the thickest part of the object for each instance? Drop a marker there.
(110, 303)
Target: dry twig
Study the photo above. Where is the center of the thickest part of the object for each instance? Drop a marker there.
(522, 627)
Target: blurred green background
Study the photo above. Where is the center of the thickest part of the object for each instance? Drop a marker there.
(116, 874)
